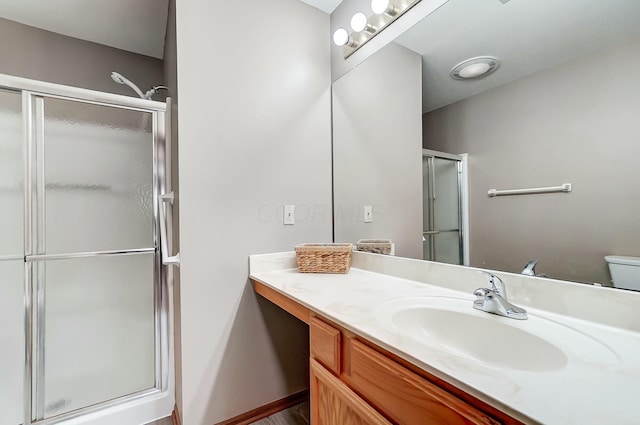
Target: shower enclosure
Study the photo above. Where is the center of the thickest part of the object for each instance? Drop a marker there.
(84, 302)
(444, 207)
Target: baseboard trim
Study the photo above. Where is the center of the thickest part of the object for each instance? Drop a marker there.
(175, 417)
(268, 409)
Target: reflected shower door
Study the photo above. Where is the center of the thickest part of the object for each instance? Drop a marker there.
(12, 323)
(93, 265)
(442, 218)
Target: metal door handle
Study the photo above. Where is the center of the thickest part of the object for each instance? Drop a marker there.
(167, 260)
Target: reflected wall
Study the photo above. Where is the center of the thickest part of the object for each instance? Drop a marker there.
(575, 123)
(377, 151)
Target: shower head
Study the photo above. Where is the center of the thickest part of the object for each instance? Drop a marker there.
(118, 78)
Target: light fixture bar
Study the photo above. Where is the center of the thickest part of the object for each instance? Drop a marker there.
(384, 12)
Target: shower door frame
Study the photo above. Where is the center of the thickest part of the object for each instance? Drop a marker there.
(33, 94)
(463, 201)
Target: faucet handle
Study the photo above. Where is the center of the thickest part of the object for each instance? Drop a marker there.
(481, 295)
(481, 292)
(498, 289)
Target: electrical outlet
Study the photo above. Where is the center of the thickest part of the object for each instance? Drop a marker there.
(368, 214)
(289, 214)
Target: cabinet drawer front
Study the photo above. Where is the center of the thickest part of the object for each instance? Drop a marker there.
(333, 403)
(403, 396)
(325, 344)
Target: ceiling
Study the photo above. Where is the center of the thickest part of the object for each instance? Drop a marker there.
(137, 26)
(525, 35)
(327, 6)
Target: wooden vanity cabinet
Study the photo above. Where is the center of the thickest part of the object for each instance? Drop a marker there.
(351, 380)
(355, 382)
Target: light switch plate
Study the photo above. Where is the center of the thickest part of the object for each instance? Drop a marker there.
(289, 215)
(368, 214)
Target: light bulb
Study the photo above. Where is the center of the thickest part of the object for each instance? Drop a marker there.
(341, 37)
(359, 22)
(474, 70)
(379, 6)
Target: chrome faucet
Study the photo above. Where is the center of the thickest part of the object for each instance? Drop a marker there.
(494, 299)
(530, 268)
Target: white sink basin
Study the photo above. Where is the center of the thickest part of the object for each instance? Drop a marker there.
(453, 325)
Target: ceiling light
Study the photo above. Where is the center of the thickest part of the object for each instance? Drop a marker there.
(359, 22)
(341, 37)
(474, 68)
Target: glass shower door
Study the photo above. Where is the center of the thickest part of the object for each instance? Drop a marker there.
(93, 262)
(12, 324)
(442, 218)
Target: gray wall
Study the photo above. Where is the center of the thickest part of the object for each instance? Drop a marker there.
(254, 135)
(576, 123)
(42, 55)
(377, 152)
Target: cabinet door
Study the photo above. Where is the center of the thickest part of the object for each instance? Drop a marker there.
(403, 396)
(333, 403)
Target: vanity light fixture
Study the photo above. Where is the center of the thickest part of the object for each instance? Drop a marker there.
(474, 68)
(365, 28)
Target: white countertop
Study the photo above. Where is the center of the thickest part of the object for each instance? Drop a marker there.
(582, 392)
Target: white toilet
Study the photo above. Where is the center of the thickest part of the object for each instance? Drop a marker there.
(625, 271)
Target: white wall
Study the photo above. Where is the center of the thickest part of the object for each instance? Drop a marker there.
(377, 150)
(575, 123)
(254, 134)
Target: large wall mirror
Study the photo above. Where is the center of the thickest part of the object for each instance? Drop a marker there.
(561, 106)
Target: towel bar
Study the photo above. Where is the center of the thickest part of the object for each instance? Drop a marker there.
(565, 187)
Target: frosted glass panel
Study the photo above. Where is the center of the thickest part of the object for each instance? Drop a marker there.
(446, 194)
(11, 174)
(426, 248)
(441, 202)
(447, 247)
(99, 332)
(11, 342)
(99, 177)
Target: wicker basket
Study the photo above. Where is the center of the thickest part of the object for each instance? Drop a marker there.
(376, 246)
(324, 258)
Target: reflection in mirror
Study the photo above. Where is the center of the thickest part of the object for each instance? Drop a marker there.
(377, 128)
(561, 107)
(443, 178)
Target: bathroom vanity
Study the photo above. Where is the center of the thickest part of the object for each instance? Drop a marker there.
(398, 341)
